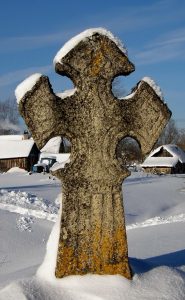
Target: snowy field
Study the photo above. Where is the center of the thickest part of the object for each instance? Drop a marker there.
(155, 218)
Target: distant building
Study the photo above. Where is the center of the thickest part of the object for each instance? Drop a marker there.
(17, 151)
(57, 149)
(166, 159)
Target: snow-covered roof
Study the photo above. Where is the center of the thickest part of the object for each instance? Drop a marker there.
(12, 137)
(82, 36)
(15, 148)
(53, 145)
(177, 154)
(160, 162)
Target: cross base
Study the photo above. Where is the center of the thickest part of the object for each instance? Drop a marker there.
(92, 236)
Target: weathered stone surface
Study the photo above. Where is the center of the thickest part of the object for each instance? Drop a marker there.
(93, 235)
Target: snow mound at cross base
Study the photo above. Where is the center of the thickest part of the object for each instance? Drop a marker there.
(159, 283)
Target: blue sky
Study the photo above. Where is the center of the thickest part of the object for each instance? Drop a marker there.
(32, 32)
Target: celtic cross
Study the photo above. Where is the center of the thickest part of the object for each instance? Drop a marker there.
(92, 234)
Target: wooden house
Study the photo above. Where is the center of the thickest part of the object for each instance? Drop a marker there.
(166, 159)
(17, 151)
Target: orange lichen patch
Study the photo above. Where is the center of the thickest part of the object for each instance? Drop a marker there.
(66, 261)
(83, 258)
(106, 257)
(96, 63)
(115, 255)
(119, 238)
(121, 268)
(107, 248)
(95, 262)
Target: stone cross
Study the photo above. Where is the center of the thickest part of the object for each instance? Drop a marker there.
(92, 234)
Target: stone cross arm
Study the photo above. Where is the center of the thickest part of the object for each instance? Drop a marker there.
(139, 115)
(39, 108)
(144, 115)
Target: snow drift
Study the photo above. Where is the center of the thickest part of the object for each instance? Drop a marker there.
(156, 252)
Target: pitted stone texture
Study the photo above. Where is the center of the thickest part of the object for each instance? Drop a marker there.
(93, 236)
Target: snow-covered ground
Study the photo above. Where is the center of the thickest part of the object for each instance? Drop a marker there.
(155, 218)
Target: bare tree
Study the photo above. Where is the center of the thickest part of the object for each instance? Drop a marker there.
(170, 134)
(9, 117)
(128, 151)
(181, 141)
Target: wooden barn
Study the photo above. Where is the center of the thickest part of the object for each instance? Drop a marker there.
(17, 151)
(166, 159)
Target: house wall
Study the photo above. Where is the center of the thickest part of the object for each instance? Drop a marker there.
(21, 162)
(33, 157)
(178, 169)
(158, 170)
(6, 164)
(31, 160)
